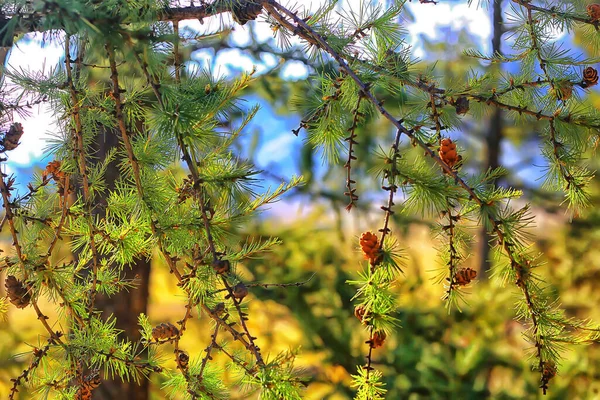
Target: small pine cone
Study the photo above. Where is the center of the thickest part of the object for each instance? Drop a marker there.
(359, 312)
(219, 309)
(369, 245)
(83, 393)
(464, 276)
(448, 152)
(245, 10)
(548, 370)
(53, 169)
(17, 292)
(590, 77)
(221, 266)
(92, 380)
(164, 331)
(183, 359)
(461, 105)
(240, 291)
(593, 11)
(378, 339)
(11, 138)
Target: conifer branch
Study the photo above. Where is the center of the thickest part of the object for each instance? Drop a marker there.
(177, 62)
(38, 355)
(270, 285)
(63, 216)
(44, 320)
(391, 175)
(80, 156)
(351, 142)
(554, 13)
(136, 172)
(322, 110)
(249, 345)
(240, 363)
(5, 189)
(557, 149)
(303, 30)
(208, 351)
(435, 116)
(454, 257)
(369, 356)
(204, 204)
(243, 318)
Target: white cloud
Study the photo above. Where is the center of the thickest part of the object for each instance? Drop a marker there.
(430, 18)
(277, 149)
(33, 54)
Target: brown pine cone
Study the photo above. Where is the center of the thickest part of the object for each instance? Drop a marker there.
(369, 245)
(378, 339)
(53, 169)
(221, 266)
(240, 291)
(92, 380)
(245, 10)
(219, 309)
(83, 393)
(464, 276)
(448, 152)
(548, 370)
(164, 331)
(183, 359)
(461, 105)
(359, 312)
(11, 138)
(593, 11)
(590, 77)
(17, 293)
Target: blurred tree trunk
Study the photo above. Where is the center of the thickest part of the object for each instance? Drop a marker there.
(126, 305)
(493, 136)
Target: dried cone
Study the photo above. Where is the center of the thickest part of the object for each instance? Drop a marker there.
(359, 312)
(11, 138)
(183, 359)
(590, 77)
(378, 339)
(164, 331)
(461, 105)
(219, 309)
(83, 394)
(17, 293)
(465, 276)
(448, 152)
(245, 11)
(240, 291)
(53, 169)
(593, 11)
(221, 266)
(548, 370)
(369, 244)
(92, 380)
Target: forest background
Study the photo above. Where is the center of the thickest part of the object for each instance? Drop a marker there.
(474, 352)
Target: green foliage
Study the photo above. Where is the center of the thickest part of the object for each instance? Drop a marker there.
(124, 77)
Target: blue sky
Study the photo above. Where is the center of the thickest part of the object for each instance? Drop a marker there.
(33, 55)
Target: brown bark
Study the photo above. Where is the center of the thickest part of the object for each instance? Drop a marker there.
(493, 137)
(126, 305)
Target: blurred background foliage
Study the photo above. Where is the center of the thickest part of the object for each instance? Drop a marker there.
(473, 353)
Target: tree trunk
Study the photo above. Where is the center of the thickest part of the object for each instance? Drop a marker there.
(493, 137)
(126, 305)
